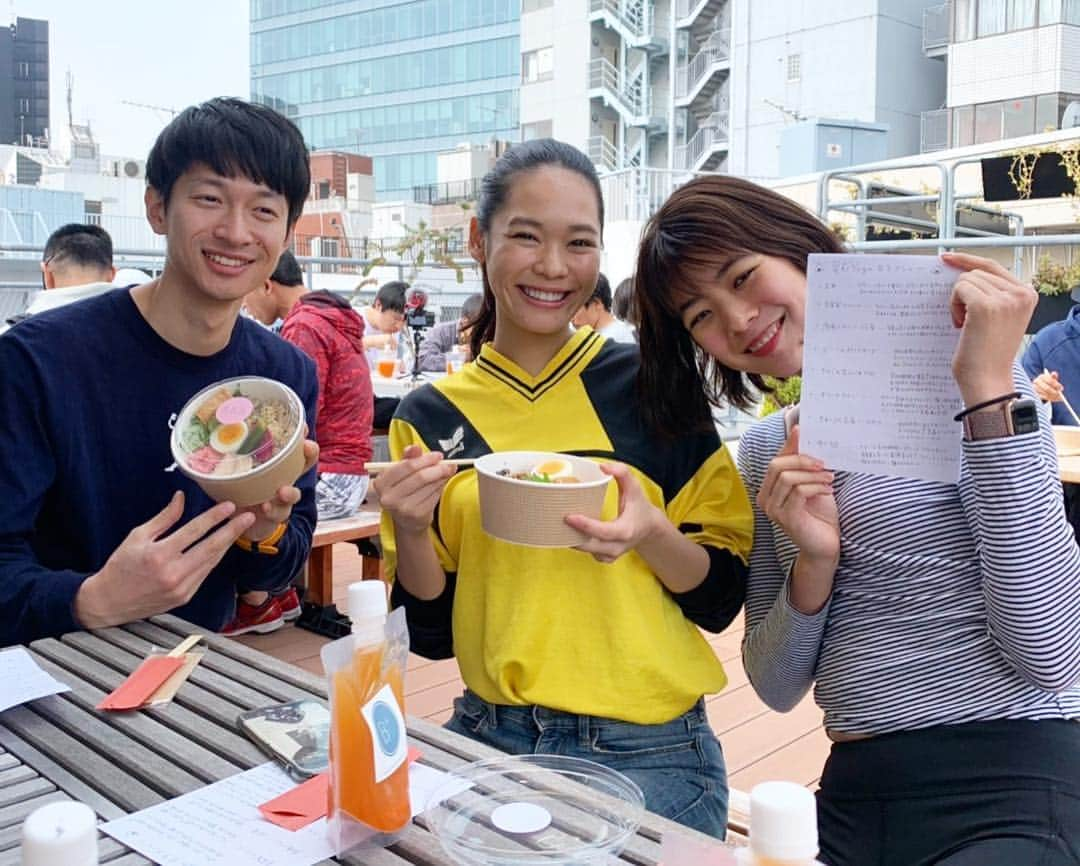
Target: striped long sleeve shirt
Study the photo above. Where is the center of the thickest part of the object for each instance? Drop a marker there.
(951, 603)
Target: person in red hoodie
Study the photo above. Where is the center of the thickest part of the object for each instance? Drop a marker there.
(327, 328)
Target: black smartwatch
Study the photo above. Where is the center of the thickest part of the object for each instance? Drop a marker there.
(1007, 418)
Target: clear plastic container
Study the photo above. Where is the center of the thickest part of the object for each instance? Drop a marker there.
(536, 810)
(241, 439)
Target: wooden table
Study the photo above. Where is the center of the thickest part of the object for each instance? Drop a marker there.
(1069, 468)
(122, 762)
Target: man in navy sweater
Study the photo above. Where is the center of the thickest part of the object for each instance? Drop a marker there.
(96, 527)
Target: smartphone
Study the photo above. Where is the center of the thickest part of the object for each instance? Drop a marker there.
(296, 734)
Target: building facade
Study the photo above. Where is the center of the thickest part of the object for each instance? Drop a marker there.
(398, 81)
(24, 82)
(709, 85)
(1013, 70)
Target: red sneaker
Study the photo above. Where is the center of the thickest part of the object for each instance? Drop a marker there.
(289, 602)
(261, 619)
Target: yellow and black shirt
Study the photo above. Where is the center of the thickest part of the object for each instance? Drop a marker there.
(556, 627)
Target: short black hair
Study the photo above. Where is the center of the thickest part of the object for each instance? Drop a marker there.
(81, 245)
(288, 271)
(601, 293)
(233, 137)
(391, 296)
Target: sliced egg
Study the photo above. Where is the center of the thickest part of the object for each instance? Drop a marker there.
(553, 469)
(228, 438)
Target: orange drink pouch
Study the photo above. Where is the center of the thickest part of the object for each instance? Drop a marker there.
(369, 772)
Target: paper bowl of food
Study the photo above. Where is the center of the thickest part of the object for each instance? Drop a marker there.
(525, 496)
(241, 439)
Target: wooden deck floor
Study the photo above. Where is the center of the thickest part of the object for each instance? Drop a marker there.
(759, 744)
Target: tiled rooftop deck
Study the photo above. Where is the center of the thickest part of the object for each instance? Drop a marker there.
(759, 744)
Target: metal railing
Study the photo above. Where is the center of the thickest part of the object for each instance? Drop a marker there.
(603, 153)
(716, 49)
(937, 26)
(636, 193)
(934, 130)
(637, 17)
(450, 192)
(604, 75)
(713, 132)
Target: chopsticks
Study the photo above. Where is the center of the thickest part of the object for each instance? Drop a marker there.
(181, 648)
(1065, 400)
(375, 468)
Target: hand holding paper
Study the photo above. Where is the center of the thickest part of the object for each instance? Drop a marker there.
(992, 309)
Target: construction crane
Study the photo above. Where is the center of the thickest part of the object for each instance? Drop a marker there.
(172, 112)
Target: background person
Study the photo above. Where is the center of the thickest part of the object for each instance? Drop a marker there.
(622, 301)
(939, 624)
(596, 313)
(593, 652)
(446, 335)
(1052, 360)
(77, 263)
(327, 329)
(96, 526)
(384, 319)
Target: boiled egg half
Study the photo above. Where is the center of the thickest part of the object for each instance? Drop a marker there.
(228, 438)
(553, 469)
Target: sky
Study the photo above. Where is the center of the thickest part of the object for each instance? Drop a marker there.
(171, 54)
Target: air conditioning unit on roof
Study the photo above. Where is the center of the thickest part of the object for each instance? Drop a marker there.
(132, 168)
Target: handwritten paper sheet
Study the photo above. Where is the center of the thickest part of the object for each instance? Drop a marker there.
(22, 681)
(220, 825)
(878, 394)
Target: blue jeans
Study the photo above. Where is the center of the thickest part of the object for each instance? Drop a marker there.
(677, 764)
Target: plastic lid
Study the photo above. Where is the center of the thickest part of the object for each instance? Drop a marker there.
(367, 601)
(535, 810)
(236, 426)
(63, 832)
(783, 821)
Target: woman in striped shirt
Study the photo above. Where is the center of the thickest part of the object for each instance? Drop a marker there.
(938, 623)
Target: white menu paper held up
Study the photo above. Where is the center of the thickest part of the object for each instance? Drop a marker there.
(21, 680)
(878, 393)
(220, 825)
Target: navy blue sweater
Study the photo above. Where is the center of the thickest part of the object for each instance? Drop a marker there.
(87, 395)
(1057, 347)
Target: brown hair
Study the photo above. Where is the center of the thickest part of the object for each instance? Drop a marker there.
(704, 220)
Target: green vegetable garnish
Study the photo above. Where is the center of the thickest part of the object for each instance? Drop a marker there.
(254, 437)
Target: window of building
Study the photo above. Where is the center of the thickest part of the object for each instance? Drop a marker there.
(794, 67)
(963, 20)
(963, 126)
(537, 65)
(1018, 117)
(1020, 14)
(1047, 115)
(988, 122)
(991, 17)
(533, 5)
(536, 129)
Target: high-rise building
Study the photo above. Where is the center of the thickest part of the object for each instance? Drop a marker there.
(397, 81)
(24, 82)
(1014, 70)
(711, 84)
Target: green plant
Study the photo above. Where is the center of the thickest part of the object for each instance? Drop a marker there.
(1052, 278)
(786, 392)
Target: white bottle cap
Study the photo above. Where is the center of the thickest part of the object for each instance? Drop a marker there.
(64, 832)
(367, 601)
(783, 821)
